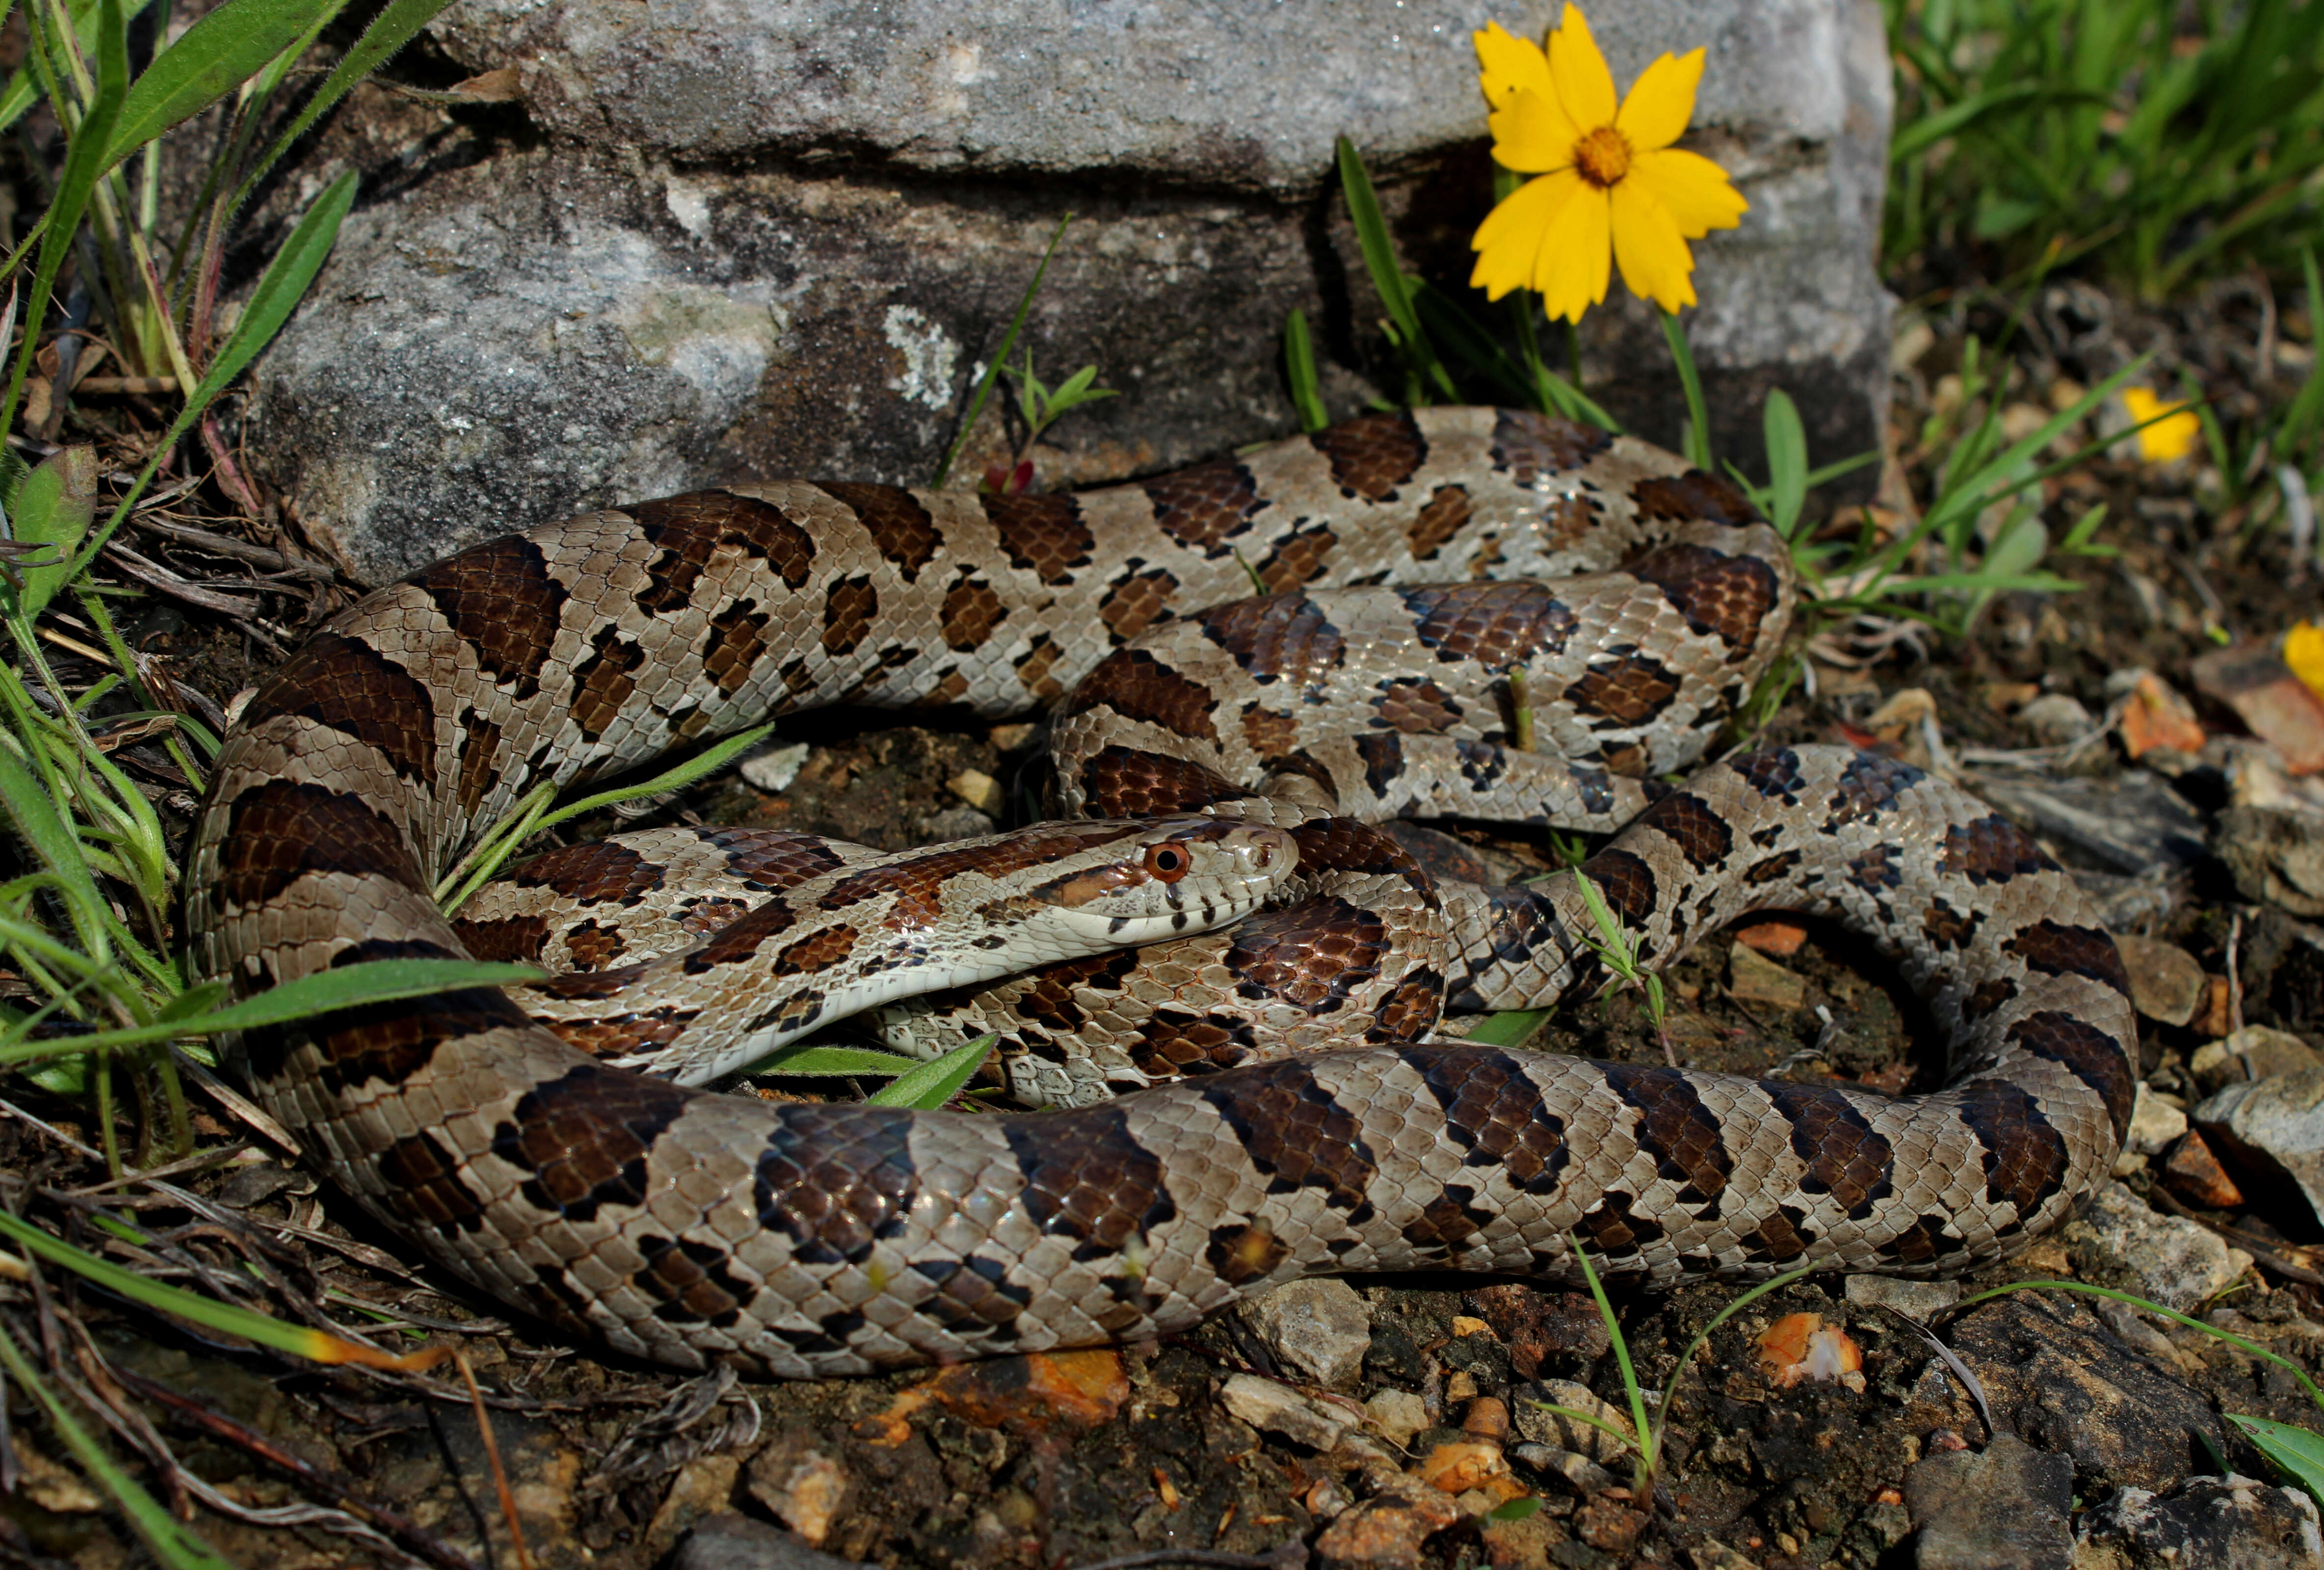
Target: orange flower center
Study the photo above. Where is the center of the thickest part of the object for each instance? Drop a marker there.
(1604, 156)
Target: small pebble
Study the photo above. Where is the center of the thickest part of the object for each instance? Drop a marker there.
(2166, 985)
(2056, 719)
(1396, 1416)
(1802, 1347)
(1266, 1405)
(2154, 1124)
(2254, 1052)
(978, 788)
(1756, 980)
(2194, 1174)
(1778, 939)
(1487, 1418)
(774, 771)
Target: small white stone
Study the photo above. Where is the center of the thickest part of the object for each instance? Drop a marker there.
(1264, 1404)
(774, 771)
(1322, 1327)
(1396, 1416)
(978, 788)
(2155, 1124)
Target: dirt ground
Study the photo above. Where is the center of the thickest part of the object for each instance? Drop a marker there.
(1071, 1460)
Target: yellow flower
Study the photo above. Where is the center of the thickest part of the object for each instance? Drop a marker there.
(2168, 438)
(2303, 651)
(1609, 179)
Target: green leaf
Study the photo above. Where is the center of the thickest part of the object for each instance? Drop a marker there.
(396, 25)
(931, 1084)
(1299, 371)
(1001, 358)
(211, 58)
(802, 1058)
(1509, 1027)
(2306, 414)
(54, 507)
(2297, 1452)
(1515, 1509)
(1787, 461)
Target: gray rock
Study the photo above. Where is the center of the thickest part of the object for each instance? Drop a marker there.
(1398, 1415)
(1916, 1300)
(2135, 822)
(1584, 1476)
(736, 1542)
(2167, 983)
(2277, 856)
(2155, 1124)
(2271, 1127)
(2175, 1261)
(1321, 1327)
(2002, 1509)
(2254, 1052)
(2204, 1523)
(2057, 719)
(1264, 1404)
(746, 239)
(2061, 1380)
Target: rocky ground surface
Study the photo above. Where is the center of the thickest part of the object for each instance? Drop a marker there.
(2136, 726)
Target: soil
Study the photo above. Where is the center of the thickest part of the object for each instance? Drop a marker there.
(1069, 1460)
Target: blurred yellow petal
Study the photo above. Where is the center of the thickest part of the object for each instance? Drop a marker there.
(1570, 272)
(1584, 85)
(1507, 65)
(1509, 241)
(1655, 261)
(1533, 134)
(2303, 651)
(1661, 101)
(2169, 439)
(1694, 190)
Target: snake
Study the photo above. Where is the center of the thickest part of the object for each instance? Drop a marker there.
(1256, 669)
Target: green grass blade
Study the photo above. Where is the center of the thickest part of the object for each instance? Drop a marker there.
(211, 58)
(84, 161)
(2296, 1453)
(377, 980)
(278, 290)
(1686, 1359)
(800, 1058)
(2229, 1336)
(2301, 421)
(1787, 461)
(388, 31)
(1698, 418)
(1387, 273)
(40, 826)
(1299, 373)
(174, 1544)
(226, 1318)
(1001, 357)
(23, 90)
(931, 1084)
(1645, 1442)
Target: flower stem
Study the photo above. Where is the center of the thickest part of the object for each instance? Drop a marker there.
(1698, 429)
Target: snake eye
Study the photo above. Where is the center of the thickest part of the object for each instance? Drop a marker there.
(1166, 862)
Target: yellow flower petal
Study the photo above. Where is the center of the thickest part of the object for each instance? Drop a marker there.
(1584, 85)
(1509, 240)
(1661, 101)
(1533, 135)
(1655, 263)
(1507, 65)
(2168, 439)
(1694, 190)
(1570, 272)
(2303, 651)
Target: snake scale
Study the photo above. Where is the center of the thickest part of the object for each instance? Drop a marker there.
(1291, 1110)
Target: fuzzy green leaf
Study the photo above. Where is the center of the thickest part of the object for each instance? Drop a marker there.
(1787, 461)
(54, 507)
(213, 57)
(931, 1084)
(2297, 1452)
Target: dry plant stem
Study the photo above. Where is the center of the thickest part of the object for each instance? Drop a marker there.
(2235, 981)
(493, 1455)
(415, 1540)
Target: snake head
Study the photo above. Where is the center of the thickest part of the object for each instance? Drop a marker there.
(1159, 878)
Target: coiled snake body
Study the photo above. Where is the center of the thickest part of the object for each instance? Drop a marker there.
(1233, 747)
